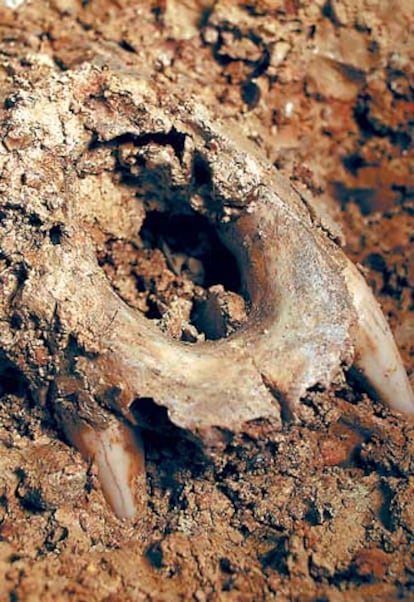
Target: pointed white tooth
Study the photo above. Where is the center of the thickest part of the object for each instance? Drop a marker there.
(377, 358)
(118, 454)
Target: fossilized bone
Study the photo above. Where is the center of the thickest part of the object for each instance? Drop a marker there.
(92, 357)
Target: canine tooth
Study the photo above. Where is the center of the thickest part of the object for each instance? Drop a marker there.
(377, 358)
(118, 454)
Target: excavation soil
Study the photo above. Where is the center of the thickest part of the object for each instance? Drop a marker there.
(324, 508)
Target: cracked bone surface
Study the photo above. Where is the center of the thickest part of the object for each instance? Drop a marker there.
(95, 358)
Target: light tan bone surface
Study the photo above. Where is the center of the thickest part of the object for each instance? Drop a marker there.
(86, 351)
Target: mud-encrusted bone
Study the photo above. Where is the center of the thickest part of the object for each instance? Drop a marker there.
(91, 356)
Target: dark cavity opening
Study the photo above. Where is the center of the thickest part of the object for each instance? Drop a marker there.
(179, 274)
(183, 238)
(55, 234)
(12, 380)
(151, 416)
(168, 448)
(172, 267)
(205, 274)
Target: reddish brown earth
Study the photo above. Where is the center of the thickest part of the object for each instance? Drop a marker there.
(324, 509)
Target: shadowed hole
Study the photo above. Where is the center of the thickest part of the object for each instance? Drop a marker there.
(180, 275)
(183, 238)
(167, 450)
(149, 415)
(154, 554)
(55, 234)
(12, 380)
(164, 256)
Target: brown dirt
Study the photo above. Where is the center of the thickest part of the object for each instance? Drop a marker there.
(324, 509)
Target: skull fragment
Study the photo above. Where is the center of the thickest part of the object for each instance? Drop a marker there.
(94, 358)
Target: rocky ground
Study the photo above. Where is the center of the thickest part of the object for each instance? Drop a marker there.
(323, 509)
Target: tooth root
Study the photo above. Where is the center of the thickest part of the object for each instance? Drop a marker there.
(377, 358)
(118, 454)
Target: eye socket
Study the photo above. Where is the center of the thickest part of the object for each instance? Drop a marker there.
(180, 275)
(164, 258)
